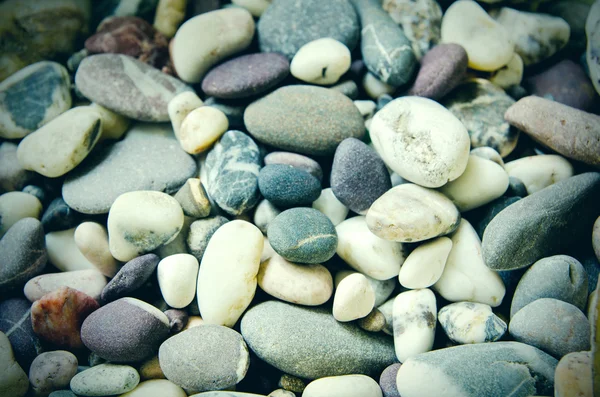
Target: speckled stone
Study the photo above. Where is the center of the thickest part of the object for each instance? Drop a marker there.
(287, 25)
(105, 379)
(552, 325)
(130, 277)
(245, 76)
(286, 186)
(15, 322)
(12, 175)
(306, 119)
(387, 381)
(303, 235)
(295, 160)
(127, 86)
(59, 216)
(312, 344)
(469, 322)
(200, 233)
(52, 371)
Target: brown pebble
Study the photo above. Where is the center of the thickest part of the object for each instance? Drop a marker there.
(374, 322)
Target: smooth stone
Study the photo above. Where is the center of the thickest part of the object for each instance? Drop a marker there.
(91, 239)
(127, 86)
(354, 298)
(91, 282)
(36, 191)
(367, 253)
(538, 172)
(466, 276)
(114, 125)
(382, 288)
(331, 207)
(387, 309)
(490, 369)
(225, 32)
(596, 238)
(233, 109)
(139, 222)
(286, 26)
(15, 322)
(177, 279)
(489, 212)
(593, 314)
(32, 97)
(126, 330)
(12, 175)
(387, 381)
(227, 394)
(297, 161)
(366, 108)
(480, 106)
(264, 214)
(228, 272)
(373, 322)
(488, 44)
(428, 155)
(150, 368)
(468, 322)
(425, 264)
(105, 379)
(552, 325)
(180, 106)
(303, 235)
(559, 277)
(488, 153)
(15, 206)
(246, 76)
(281, 393)
(322, 61)
(386, 50)
(358, 175)
(148, 158)
(547, 233)
(482, 182)
(256, 7)
(168, 17)
(414, 321)
(306, 119)
(62, 144)
(156, 388)
(556, 125)
(201, 231)
(59, 216)
(292, 383)
(536, 36)
(62, 393)
(509, 75)
(232, 167)
(286, 186)
(205, 358)
(201, 128)
(345, 385)
(13, 380)
(130, 277)
(573, 375)
(52, 371)
(348, 88)
(442, 69)
(23, 254)
(592, 31)
(309, 285)
(193, 199)
(63, 252)
(57, 316)
(374, 88)
(411, 213)
(178, 319)
(575, 13)
(312, 344)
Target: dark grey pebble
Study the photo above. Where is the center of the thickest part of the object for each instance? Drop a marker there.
(177, 319)
(130, 277)
(59, 216)
(286, 186)
(15, 322)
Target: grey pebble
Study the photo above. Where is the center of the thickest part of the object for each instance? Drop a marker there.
(59, 216)
(12, 175)
(286, 186)
(15, 322)
(295, 160)
(387, 381)
(130, 277)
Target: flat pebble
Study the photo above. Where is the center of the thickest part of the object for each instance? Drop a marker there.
(177, 279)
(201, 128)
(15, 206)
(131, 276)
(573, 375)
(330, 206)
(387, 381)
(200, 234)
(286, 186)
(13, 380)
(345, 385)
(156, 388)
(90, 282)
(538, 172)
(52, 371)
(322, 61)
(15, 322)
(468, 322)
(414, 319)
(92, 240)
(354, 298)
(425, 264)
(297, 161)
(348, 88)
(105, 379)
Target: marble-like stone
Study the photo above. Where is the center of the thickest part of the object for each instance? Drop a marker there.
(331, 207)
(201, 128)
(90, 282)
(130, 277)
(538, 172)
(382, 288)
(354, 298)
(15, 206)
(345, 385)
(592, 30)
(177, 279)
(322, 61)
(91, 239)
(12, 175)
(509, 75)
(573, 375)
(201, 231)
(105, 379)
(52, 371)
(468, 322)
(15, 322)
(425, 264)
(13, 380)
(414, 316)
(286, 186)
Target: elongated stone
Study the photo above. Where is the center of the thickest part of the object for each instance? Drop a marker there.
(415, 315)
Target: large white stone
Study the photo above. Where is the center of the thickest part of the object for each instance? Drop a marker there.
(414, 321)
(322, 61)
(15, 206)
(354, 298)
(331, 207)
(63, 252)
(345, 385)
(177, 276)
(425, 264)
(92, 240)
(90, 282)
(13, 380)
(538, 172)
(201, 128)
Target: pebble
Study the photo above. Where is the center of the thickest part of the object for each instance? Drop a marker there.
(246, 76)
(374, 87)
(15, 322)
(150, 368)
(32, 97)
(536, 36)
(552, 325)
(414, 322)
(90, 282)
(345, 385)
(15, 206)
(366, 108)
(177, 279)
(305, 119)
(348, 88)
(309, 285)
(488, 43)
(126, 330)
(169, 15)
(480, 106)
(556, 125)
(354, 298)
(297, 161)
(382, 288)
(303, 235)
(52, 371)
(322, 61)
(592, 30)
(12, 175)
(572, 211)
(596, 238)
(488, 153)
(286, 25)
(210, 357)
(180, 106)
(468, 322)
(466, 276)
(573, 375)
(367, 253)
(62, 393)
(538, 172)
(23, 254)
(411, 213)
(156, 388)
(387, 381)
(330, 206)
(63, 252)
(510, 75)
(425, 264)
(193, 199)
(373, 322)
(228, 271)
(127, 86)
(59, 216)
(57, 316)
(13, 380)
(201, 231)
(91, 239)
(264, 214)
(490, 369)
(201, 128)
(178, 319)
(408, 142)
(281, 393)
(105, 380)
(139, 222)
(130, 277)
(233, 109)
(442, 69)
(224, 33)
(286, 186)
(311, 343)
(256, 7)
(489, 211)
(232, 168)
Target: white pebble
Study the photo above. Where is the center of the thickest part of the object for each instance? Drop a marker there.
(510, 74)
(538, 172)
(15, 206)
(382, 288)
(63, 252)
(375, 87)
(114, 125)
(177, 279)
(265, 213)
(201, 128)
(322, 61)
(469, 322)
(90, 282)
(414, 322)
(256, 7)
(354, 298)
(345, 385)
(92, 240)
(180, 106)
(425, 264)
(331, 207)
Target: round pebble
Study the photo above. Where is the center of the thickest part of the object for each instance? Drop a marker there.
(414, 319)
(354, 298)
(177, 279)
(13, 380)
(387, 381)
(286, 186)
(131, 276)
(15, 206)
(322, 61)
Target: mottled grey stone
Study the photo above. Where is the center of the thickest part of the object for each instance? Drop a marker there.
(59, 216)
(52, 371)
(310, 343)
(200, 233)
(12, 175)
(130, 277)
(295, 160)
(15, 322)
(387, 381)
(286, 186)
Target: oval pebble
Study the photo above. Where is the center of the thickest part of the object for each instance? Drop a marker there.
(574, 375)
(330, 206)
(201, 128)
(414, 319)
(90, 282)
(177, 279)
(286, 186)
(354, 298)
(425, 264)
(15, 206)
(468, 322)
(13, 381)
(105, 379)
(91, 239)
(180, 106)
(387, 381)
(295, 160)
(131, 276)
(322, 61)
(63, 252)
(346, 385)
(538, 172)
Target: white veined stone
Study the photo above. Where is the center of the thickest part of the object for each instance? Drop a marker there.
(201, 128)
(63, 252)
(510, 74)
(469, 322)
(538, 172)
(382, 288)
(331, 207)
(90, 282)
(114, 125)
(92, 240)
(375, 87)
(424, 265)
(414, 321)
(15, 206)
(322, 61)
(180, 106)
(227, 277)
(256, 7)
(345, 385)
(465, 276)
(367, 253)
(488, 153)
(354, 298)
(177, 279)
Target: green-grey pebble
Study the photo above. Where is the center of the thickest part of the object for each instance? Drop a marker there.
(286, 186)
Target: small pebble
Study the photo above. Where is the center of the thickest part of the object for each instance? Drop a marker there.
(52, 371)
(156, 388)
(91, 282)
(387, 381)
(180, 106)
(468, 322)
(92, 240)
(347, 385)
(15, 206)
(201, 231)
(574, 375)
(322, 61)
(297, 161)
(201, 128)
(12, 175)
(425, 264)
(63, 252)
(286, 186)
(373, 322)
(178, 319)
(105, 379)
(131, 276)
(354, 298)
(13, 380)
(263, 215)
(193, 199)
(538, 172)
(15, 322)
(169, 15)
(330, 206)
(592, 31)
(177, 279)
(59, 216)
(509, 75)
